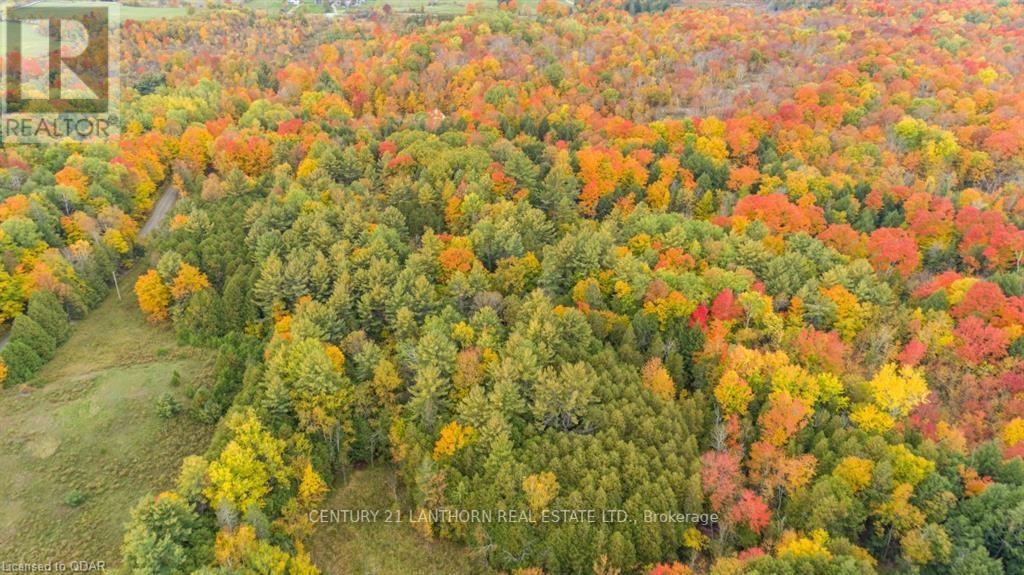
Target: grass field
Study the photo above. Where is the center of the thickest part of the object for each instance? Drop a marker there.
(35, 43)
(272, 6)
(433, 7)
(143, 13)
(125, 12)
(87, 425)
(381, 548)
(439, 7)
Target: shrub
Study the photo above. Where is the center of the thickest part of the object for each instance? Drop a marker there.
(75, 498)
(167, 406)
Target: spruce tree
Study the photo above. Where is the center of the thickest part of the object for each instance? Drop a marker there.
(27, 331)
(47, 311)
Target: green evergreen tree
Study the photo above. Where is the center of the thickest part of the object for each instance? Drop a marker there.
(45, 308)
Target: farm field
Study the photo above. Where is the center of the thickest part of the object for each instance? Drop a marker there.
(144, 13)
(33, 42)
(86, 428)
(411, 7)
(438, 7)
(139, 13)
(269, 6)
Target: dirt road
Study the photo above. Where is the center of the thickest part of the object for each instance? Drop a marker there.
(156, 217)
(160, 210)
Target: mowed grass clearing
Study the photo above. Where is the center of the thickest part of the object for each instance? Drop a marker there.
(380, 548)
(87, 424)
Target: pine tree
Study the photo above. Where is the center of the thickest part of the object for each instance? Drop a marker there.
(21, 360)
(26, 330)
(427, 403)
(45, 308)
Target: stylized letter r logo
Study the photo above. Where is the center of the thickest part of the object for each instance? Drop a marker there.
(88, 66)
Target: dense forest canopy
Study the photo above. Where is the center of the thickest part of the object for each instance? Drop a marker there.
(761, 264)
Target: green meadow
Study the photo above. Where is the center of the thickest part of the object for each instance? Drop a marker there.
(82, 442)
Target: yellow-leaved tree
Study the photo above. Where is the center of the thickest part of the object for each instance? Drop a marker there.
(154, 296)
(657, 379)
(242, 475)
(540, 489)
(188, 281)
(311, 487)
(733, 393)
(453, 438)
(895, 391)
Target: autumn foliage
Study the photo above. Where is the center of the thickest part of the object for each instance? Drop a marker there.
(760, 260)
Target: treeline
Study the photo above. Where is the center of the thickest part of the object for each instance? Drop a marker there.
(68, 221)
(35, 336)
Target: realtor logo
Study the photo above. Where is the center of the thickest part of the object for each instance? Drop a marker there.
(60, 72)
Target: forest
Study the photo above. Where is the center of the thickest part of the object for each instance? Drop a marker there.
(755, 264)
